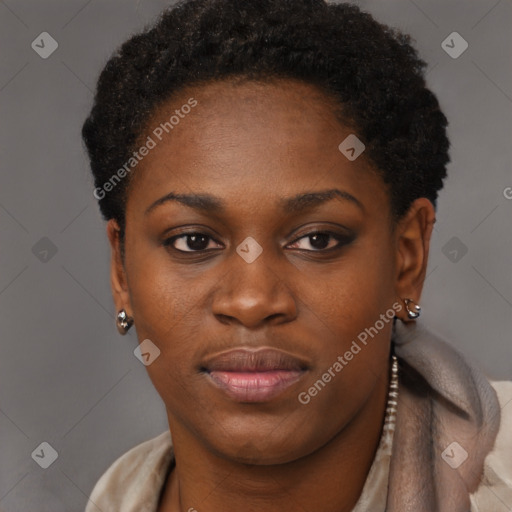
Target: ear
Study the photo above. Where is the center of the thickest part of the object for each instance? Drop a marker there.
(413, 234)
(118, 280)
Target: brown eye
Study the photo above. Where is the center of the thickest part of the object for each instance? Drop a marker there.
(321, 241)
(189, 242)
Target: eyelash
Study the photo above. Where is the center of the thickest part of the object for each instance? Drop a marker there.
(342, 241)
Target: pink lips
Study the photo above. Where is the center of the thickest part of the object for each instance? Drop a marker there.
(254, 375)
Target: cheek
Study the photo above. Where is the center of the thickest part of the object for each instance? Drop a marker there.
(353, 315)
(357, 290)
(165, 310)
(161, 297)
(171, 308)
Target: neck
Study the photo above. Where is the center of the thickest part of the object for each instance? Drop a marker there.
(330, 479)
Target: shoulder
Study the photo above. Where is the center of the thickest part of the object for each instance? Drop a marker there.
(134, 480)
(495, 491)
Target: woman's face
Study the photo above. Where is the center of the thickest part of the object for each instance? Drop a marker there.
(235, 264)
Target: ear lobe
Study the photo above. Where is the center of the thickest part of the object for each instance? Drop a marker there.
(413, 235)
(118, 281)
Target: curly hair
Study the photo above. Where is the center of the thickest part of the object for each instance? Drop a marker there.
(371, 71)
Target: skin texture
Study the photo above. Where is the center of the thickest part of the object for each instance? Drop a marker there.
(251, 145)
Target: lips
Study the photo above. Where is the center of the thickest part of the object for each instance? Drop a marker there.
(254, 375)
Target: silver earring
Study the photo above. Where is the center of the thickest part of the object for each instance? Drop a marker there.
(124, 322)
(413, 312)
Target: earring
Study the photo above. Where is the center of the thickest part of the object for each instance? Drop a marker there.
(124, 322)
(414, 312)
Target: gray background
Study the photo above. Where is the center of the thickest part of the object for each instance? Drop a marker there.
(67, 376)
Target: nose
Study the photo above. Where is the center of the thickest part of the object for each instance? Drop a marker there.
(253, 294)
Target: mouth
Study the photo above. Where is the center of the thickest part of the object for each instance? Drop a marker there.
(259, 375)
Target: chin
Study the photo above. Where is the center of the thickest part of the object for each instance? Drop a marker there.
(253, 446)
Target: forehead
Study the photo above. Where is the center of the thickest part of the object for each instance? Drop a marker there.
(248, 138)
(247, 114)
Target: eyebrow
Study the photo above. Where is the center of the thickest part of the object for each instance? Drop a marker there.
(295, 204)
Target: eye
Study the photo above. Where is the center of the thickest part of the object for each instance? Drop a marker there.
(316, 241)
(189, 242)
(321, 241)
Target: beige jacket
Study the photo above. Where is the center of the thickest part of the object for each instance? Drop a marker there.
(134, 481)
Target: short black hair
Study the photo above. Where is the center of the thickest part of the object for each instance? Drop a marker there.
(371, 70)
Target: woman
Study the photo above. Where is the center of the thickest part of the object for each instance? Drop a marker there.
(269, 172)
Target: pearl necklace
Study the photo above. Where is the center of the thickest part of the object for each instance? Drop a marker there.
(391, 407)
